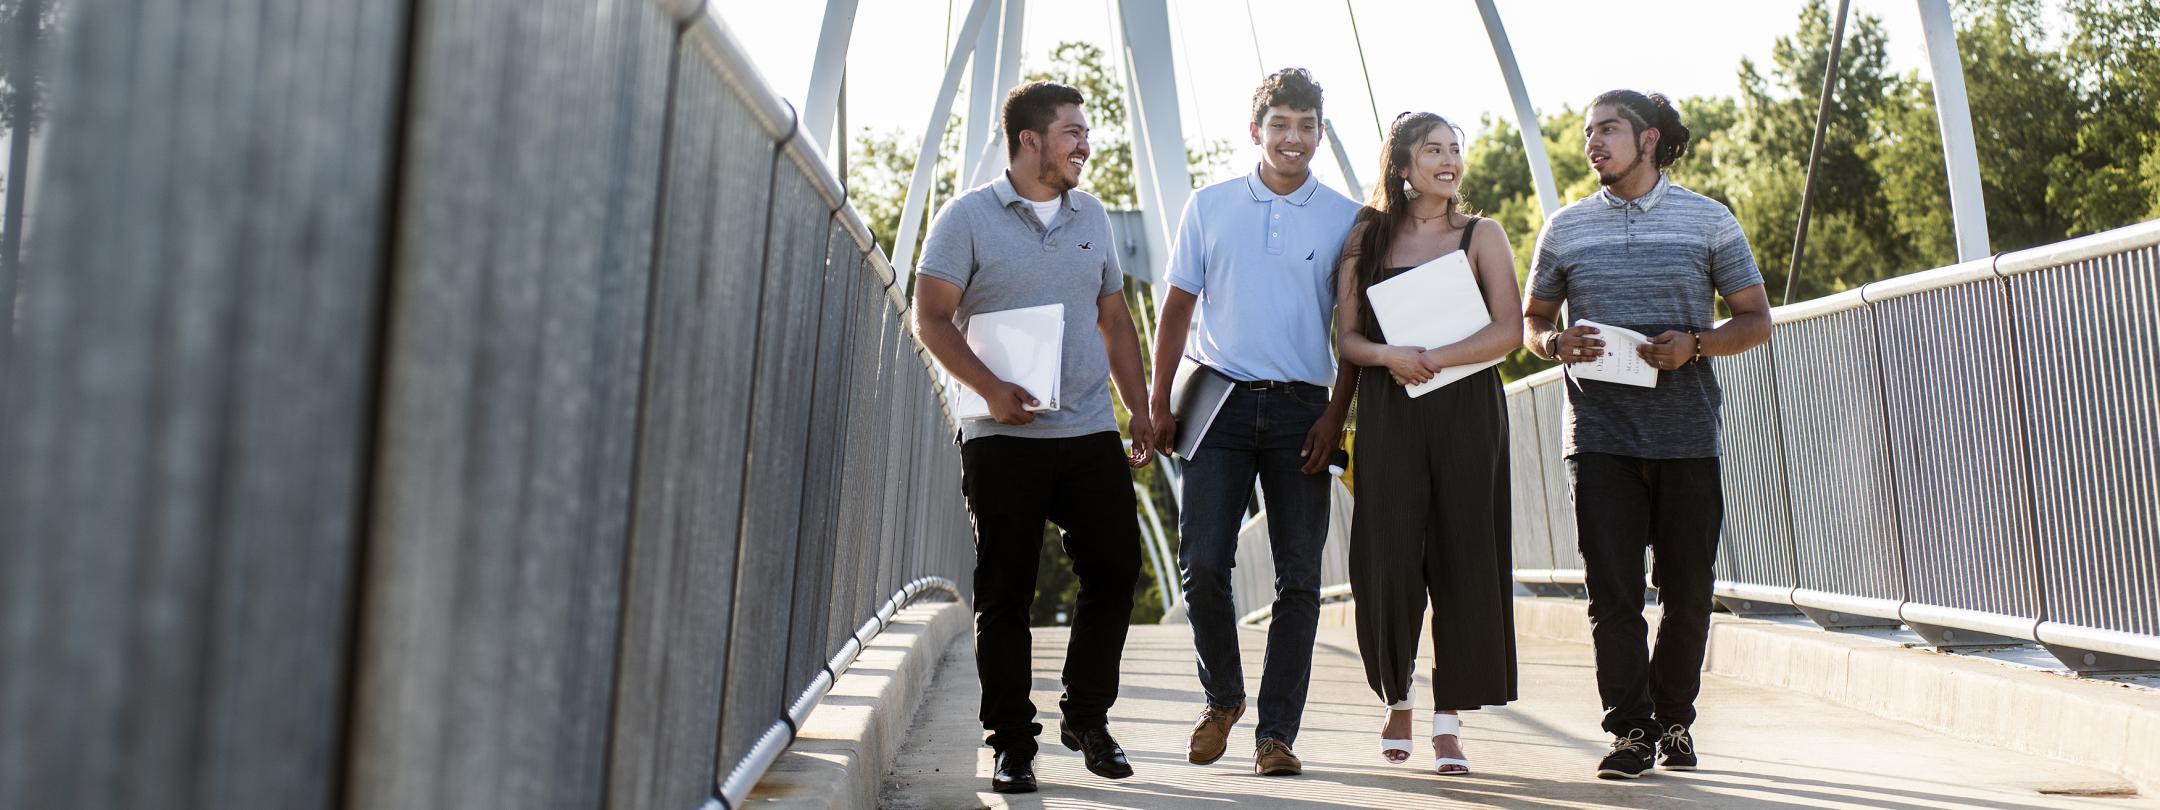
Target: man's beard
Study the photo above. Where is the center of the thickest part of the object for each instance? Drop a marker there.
(1606, 179)
(1051, 176)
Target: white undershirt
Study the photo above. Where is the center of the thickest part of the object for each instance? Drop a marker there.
(1046, 211)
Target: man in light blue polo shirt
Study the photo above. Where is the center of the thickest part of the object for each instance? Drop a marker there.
(1255, 256)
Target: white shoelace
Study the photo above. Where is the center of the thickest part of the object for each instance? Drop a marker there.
(1676, 739)
(1632, 742)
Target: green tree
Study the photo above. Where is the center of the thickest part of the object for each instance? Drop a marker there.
(2112, 176)
(880, 166)
(2025, 121)
(19, 109)
(1910, 161)
(1110, 175)
(2025, 114)
(1763, 166)
(2068, 140)
(26, 31)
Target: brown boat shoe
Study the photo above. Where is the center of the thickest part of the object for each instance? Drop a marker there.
(1211, 736)
(1273, 758)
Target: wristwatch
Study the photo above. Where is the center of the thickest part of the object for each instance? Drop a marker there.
(1552, 345)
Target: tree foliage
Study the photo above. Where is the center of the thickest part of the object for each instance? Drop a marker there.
(14, 76)
(2068, 136)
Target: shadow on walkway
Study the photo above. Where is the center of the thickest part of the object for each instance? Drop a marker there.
(1762, 747)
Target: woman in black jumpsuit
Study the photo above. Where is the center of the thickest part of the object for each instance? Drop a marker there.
(1432, 509)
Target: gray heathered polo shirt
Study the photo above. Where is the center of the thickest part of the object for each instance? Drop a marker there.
(1648, 264)
(988, 242)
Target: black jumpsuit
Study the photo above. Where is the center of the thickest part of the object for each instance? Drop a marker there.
(1432, 517)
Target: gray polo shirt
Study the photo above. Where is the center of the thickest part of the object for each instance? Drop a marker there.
(988, 243)
(1649, 264)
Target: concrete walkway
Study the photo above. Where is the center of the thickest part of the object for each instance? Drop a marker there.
(1762, 747)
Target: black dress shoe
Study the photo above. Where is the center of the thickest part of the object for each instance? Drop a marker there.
(1104, 757)
(1014, 773)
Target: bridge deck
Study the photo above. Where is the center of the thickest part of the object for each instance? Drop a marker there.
(1763, 747)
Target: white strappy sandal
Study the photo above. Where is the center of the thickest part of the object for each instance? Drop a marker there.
(1448, 724)
(1401, 746)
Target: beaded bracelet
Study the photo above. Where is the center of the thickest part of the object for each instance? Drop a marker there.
(1698, 345)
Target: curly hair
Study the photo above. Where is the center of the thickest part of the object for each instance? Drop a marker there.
(1289, 87)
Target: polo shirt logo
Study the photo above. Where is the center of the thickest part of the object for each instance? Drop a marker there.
(1087, 245)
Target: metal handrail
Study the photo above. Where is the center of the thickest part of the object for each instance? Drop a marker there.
(741, 779)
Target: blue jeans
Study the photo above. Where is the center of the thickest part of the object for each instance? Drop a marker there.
(1257, 433)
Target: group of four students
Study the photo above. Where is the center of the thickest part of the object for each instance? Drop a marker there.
(1268, 283)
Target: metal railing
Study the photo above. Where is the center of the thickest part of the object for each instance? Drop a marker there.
(451, 404)
(1972, 451)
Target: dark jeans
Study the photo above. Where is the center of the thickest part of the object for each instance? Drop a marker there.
(1257, 433)
(1675, 507)
(1080, 483)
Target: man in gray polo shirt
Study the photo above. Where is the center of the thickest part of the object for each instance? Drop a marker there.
(1255, 256)
(1031, 238)
(1646, 255)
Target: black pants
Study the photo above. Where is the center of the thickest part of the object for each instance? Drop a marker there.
(1082, 484)
(1675, 507)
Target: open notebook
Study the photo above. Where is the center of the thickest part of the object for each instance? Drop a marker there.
(1022, 346)
(1433, 305)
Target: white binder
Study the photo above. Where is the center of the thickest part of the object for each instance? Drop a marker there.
(1022, 346)
(1433, 305)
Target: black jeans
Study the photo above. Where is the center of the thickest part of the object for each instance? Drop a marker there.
(1080, 483)
(1675, 507)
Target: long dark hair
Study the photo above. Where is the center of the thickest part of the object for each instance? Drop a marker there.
(1385, 206)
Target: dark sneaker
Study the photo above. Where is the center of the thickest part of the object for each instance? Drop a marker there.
(1629, 758)
(1211, 736)
(1678, 746)
(1273, 758)
(1013, 773)
(1104, 757)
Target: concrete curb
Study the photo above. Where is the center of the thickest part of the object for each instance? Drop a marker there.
(840, 757)
(2097, 724)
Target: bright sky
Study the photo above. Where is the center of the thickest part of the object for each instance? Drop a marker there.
(1423, 54)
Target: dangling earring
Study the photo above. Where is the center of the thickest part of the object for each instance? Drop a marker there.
(1409, 191)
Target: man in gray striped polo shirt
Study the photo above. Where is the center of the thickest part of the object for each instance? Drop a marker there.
(1650, 256)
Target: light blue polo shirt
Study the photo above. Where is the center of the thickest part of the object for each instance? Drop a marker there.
(1263, 266)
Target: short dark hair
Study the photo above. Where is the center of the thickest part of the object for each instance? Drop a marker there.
(1651, 111)
(1031, 107)
(1289, 87)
